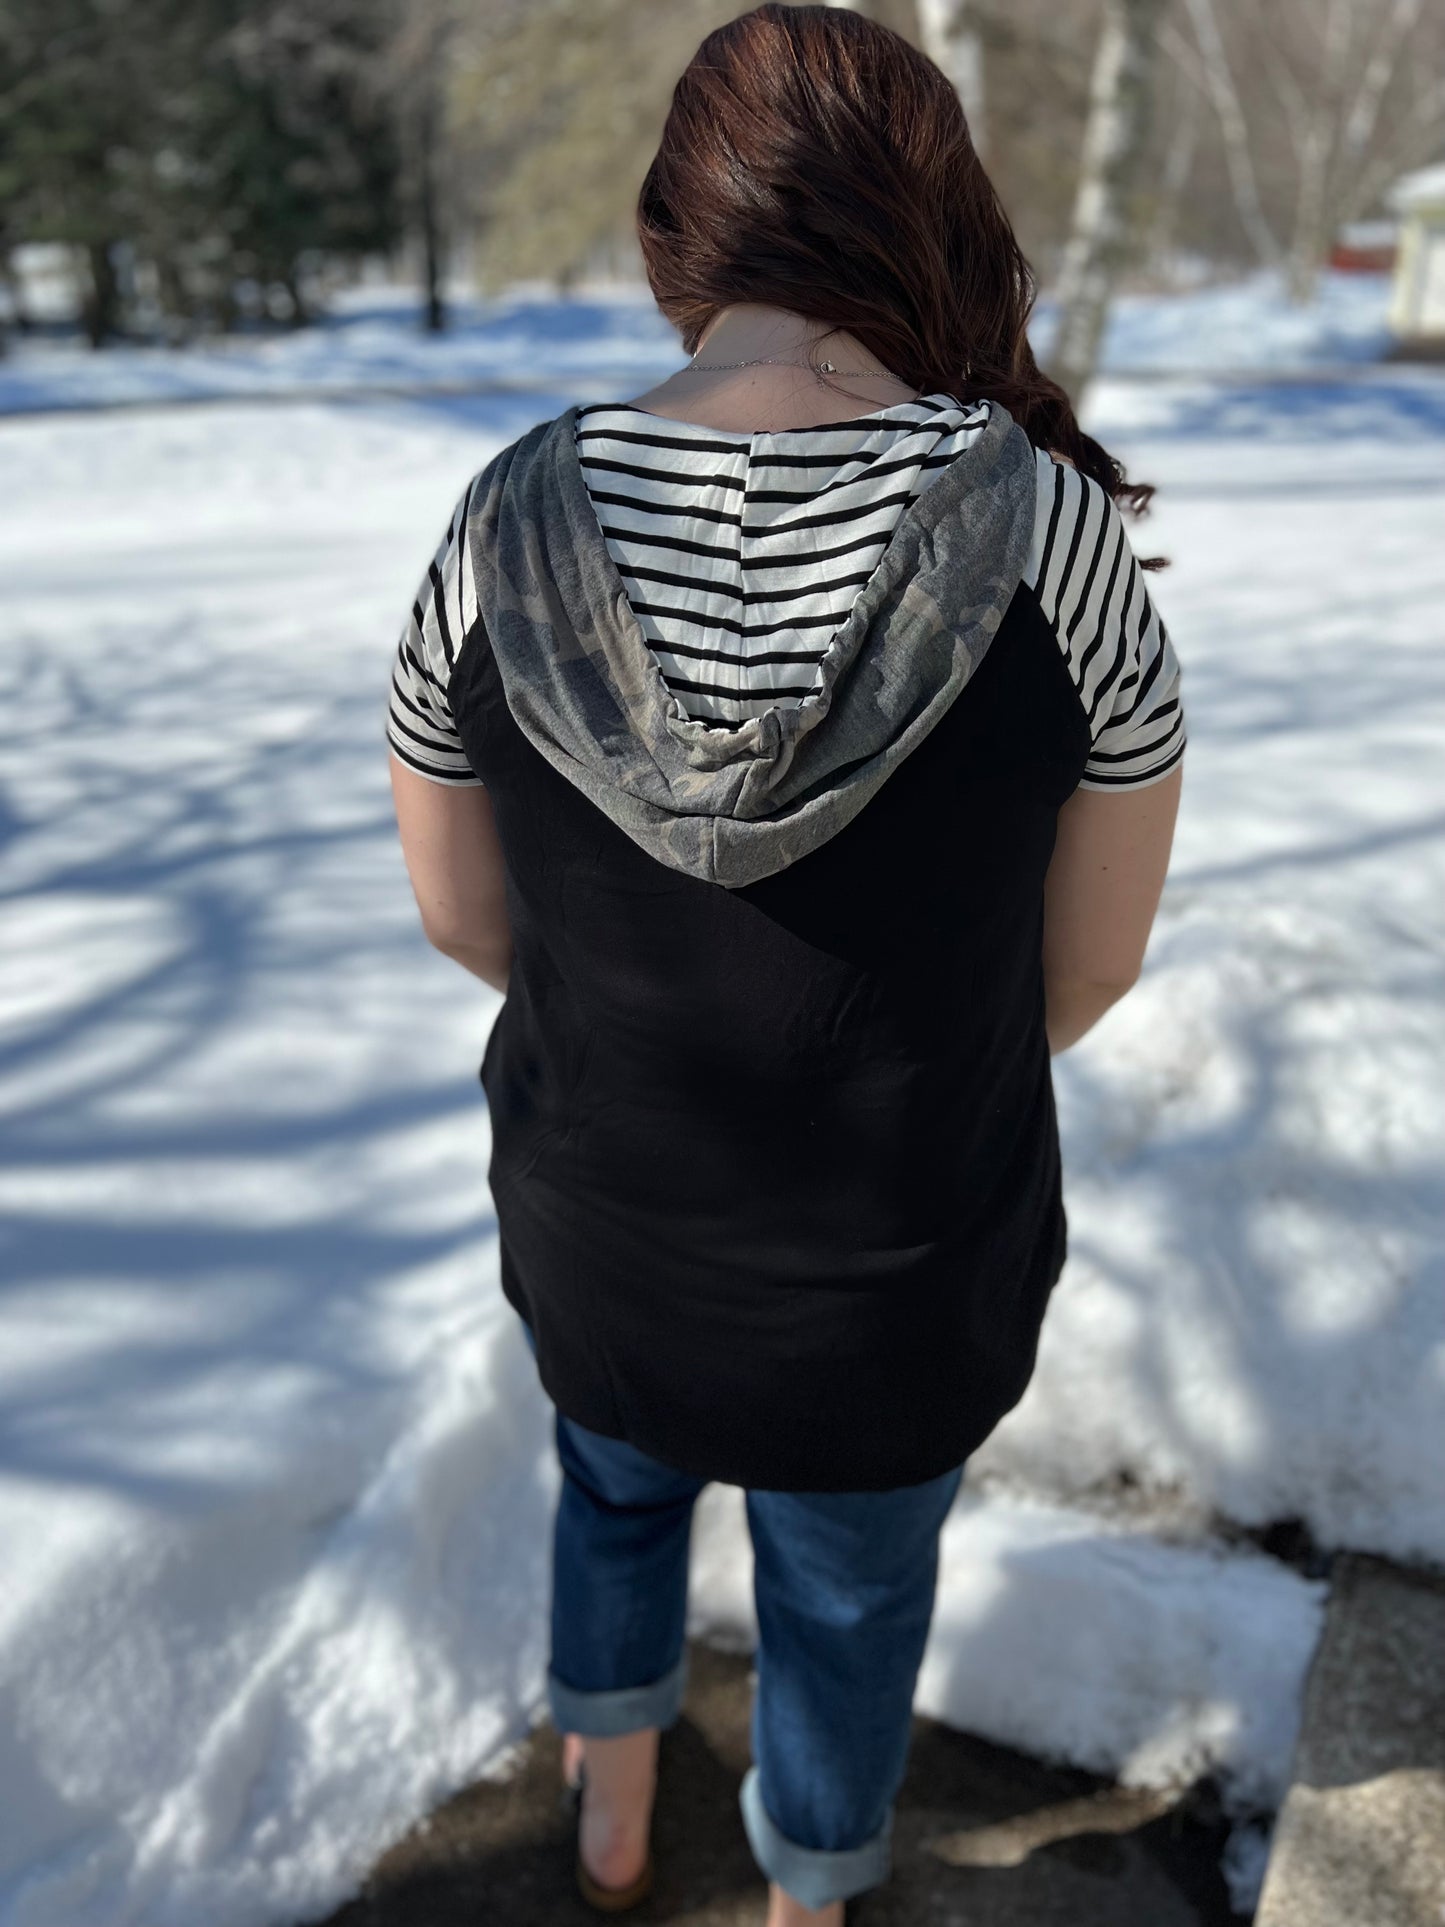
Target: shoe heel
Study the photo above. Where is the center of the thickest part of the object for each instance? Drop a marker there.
(614, 1900)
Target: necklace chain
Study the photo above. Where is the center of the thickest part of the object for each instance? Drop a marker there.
(780, 361)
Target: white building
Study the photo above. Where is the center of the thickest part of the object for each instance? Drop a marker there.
(1417, 302)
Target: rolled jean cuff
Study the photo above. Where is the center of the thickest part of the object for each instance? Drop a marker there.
(626, 1709)
(814, 1877)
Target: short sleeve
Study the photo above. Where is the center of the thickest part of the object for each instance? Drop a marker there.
(419, 723)
(1119, 654)
(1139, 726)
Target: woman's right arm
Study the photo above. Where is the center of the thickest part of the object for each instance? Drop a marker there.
(1100, 896)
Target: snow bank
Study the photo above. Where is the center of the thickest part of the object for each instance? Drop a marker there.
(1084, 1641)
(280, 1613)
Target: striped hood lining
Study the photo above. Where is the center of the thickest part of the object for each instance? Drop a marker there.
(743, 551)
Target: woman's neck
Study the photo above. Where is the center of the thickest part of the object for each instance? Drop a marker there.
(783, 393)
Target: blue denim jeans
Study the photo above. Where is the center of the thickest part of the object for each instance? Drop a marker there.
(844, 1587)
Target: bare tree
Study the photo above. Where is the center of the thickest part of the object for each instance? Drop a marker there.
(949, 34)
(1323, 104)
(1105, 207)
(1233, 128)
(1332, 126)
(1182, 115)
(556, 107)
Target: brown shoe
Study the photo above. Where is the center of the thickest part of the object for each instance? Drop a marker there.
(607, 1900)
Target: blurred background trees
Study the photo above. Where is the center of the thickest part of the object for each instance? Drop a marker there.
(199, 155)
(212, 163)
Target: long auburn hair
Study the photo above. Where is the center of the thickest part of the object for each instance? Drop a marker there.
(815, 160)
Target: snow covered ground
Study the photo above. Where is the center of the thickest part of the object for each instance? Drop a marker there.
(276, 1471)
(615, 336)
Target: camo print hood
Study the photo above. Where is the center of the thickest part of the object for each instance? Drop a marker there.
(733, 805)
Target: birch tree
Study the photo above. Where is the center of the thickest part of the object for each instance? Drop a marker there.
(1333, 122)
(1105, 206)
(1234, 130)
(949, 34)
(1323, 104)
(1182, 118)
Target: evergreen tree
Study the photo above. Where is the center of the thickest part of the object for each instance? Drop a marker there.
(301, 151)
(209, 142)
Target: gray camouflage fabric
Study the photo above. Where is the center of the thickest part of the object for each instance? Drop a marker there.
(733, 805)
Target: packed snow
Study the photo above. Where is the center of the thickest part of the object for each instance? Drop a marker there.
(276, 1483)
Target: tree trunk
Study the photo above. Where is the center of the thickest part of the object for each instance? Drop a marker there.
(175, 298)
(424, 114)
(1178, 163)
(1234, 132)
(431, 241)
(100, 309)
(1311, 238)
(300, 316)
(15, 289)
(1102, 233)
(1331, 151)
(949, 35)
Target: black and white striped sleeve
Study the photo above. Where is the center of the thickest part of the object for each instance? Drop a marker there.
(1118, 652)
(419, 723)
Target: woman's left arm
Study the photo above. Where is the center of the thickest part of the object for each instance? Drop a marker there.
(454, 859)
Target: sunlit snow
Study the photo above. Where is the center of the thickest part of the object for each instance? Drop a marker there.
(275, 1487)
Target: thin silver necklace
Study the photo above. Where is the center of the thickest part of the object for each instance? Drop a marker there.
(781, 361)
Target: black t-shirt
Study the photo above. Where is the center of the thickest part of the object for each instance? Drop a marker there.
(776, 1168)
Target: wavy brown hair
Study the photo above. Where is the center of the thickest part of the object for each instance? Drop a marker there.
(814, 160)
